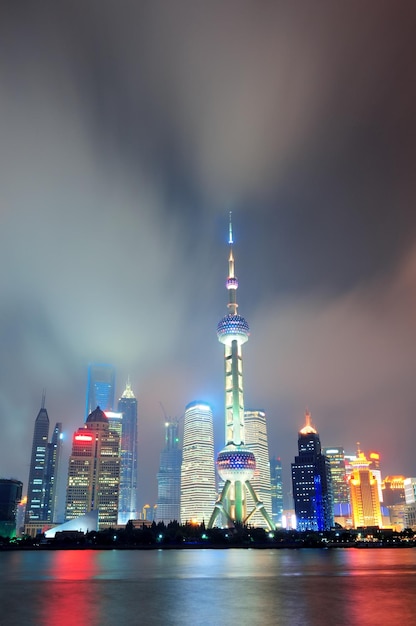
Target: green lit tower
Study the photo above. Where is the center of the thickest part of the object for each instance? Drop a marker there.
(236, 464)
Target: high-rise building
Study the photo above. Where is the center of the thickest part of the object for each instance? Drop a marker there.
(38, 464)
(393, 490)
(374, 459)
(410, 490)
(236, 463)
(256, 441)
(127, 406)
(169, 476)
(311, 482)
(54, 449)
(365, 501)
(10, 497)
(198, 491)
(100, 387)
(276, 484)
(115, 421)
(94, 471)
(340, 489)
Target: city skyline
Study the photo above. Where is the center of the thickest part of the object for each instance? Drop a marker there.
(122, 158)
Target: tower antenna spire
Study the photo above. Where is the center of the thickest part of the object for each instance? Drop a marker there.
(230, 229)
(43, 397)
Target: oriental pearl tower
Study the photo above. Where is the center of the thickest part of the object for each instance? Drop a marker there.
(235, 463)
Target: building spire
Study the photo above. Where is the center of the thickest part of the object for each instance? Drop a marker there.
(232, 282)
(230, 229)
(231, 273)
(43, 398)
(128, 392)
(308, 428)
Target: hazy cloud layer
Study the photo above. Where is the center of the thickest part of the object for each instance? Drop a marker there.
(128, 132)
(349, 357)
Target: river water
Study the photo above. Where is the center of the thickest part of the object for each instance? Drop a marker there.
(361, 587)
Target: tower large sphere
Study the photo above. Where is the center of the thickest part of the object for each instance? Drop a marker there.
(236, 464)
(233, 327)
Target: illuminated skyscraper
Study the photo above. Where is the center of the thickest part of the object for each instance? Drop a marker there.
(256, 441)
(340, 488)
(365, 502)
(169, 476)
(375, 467)
(276, 483)
(198, 491)
(127, 405)
(393, 490)
(94, 471)
(115, 422)
(124, 423)
(38, 461)
(100, 387)
(410, 490)
(311, 482)
(236, 463)
(54, 450)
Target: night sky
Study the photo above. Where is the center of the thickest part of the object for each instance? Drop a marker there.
(128, 131)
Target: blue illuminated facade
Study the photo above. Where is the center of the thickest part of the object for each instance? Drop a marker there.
(311, 483)
(169, 476)
(127, 504)
(100, 387)
(276, 484)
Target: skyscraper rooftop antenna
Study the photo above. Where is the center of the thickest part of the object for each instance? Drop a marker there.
(43, 398)
(230, 230)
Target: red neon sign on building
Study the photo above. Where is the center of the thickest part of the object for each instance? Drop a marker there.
(83, 438)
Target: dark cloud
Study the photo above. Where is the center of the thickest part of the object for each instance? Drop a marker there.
(128, 132)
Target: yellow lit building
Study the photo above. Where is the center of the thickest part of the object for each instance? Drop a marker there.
(365, 501)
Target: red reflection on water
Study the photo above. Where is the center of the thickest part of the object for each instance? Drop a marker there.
(74, 565)
(68, 598)
(378, 586)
